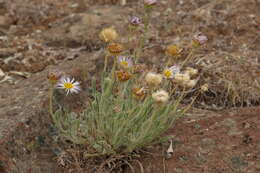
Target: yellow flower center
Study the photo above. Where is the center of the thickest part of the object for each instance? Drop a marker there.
(167, 73)
(124, 63)
(68, 85)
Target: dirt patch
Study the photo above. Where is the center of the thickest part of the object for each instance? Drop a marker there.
(208, 142)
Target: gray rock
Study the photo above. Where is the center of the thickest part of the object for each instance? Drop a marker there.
(84, 27)
(24, 115)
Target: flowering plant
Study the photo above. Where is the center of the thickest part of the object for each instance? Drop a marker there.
(131, 109)
(121, 117)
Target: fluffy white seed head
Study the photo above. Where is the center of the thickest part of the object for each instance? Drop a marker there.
(182, 78)
(108, 34)
(153, 79)
(204, 87)
(191, 71)
(161, 96)
(190, 83)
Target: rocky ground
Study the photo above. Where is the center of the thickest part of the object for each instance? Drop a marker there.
(216, 136)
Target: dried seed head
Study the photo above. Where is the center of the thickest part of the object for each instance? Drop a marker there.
(182, 78)
(161, 96)
(108, 34)
(54, 76)
(173, 50)
(204, 87)
(123, 76)
(117, 109)
(191, 71)
(115, 48)
(153, 79)
(139, 93)
(140, 68)
(190, 83)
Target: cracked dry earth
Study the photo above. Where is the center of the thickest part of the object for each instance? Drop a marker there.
(35, 38)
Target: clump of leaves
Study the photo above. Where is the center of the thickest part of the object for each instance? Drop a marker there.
(117, 123)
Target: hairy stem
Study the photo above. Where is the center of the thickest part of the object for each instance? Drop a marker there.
(50, 99)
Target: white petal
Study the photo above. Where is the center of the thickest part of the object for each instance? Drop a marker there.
(76, 83)
(63, 79)
(68, 80)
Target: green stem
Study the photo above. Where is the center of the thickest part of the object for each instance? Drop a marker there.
(188, 58)
(144, 37)
(131, 29)
(114, 68)
(50, 99)
(106, 61)
(168, 61)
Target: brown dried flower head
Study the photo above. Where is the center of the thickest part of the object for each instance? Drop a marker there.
(123, 75)
(140, 68)
(108, 34)
(54, 75)
(115, 48)
(139, 93)
(173, 50)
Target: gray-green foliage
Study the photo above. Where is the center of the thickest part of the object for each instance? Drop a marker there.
(117, 123)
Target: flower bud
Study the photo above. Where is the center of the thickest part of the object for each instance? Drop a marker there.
(199, 39)
(135, 21)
